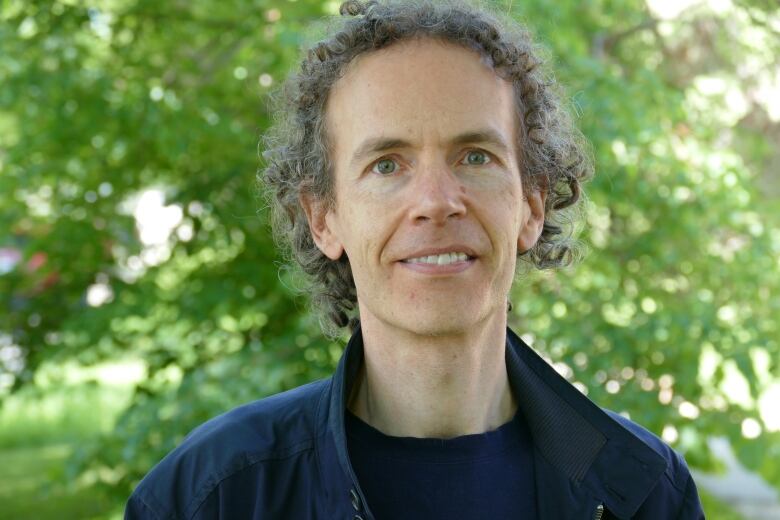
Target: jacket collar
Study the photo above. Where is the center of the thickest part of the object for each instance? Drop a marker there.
(583, 457)
(579, 444)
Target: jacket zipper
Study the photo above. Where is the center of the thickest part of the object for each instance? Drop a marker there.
(599, 512)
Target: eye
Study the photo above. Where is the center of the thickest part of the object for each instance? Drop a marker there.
(476, 158)
(385, 167)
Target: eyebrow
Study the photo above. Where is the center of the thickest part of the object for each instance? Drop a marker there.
(380, 144)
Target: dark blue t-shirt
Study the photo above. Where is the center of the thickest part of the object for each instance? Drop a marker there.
(487, 475)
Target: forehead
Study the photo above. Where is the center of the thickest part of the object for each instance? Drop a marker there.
(420, 89)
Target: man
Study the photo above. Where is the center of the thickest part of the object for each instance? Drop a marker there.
(423, 152)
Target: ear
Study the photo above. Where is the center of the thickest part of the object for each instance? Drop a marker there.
(321, 225)
(533, 221)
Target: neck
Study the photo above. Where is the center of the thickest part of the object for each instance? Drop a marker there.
(433, 386)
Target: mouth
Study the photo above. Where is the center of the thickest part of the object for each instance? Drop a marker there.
(449, 258)
(440, 261)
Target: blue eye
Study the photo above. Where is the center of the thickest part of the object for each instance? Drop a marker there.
(385, 167)
(476, 158)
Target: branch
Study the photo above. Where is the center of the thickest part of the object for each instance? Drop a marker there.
(604, 44)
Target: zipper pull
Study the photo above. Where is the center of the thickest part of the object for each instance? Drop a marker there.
(599, 512)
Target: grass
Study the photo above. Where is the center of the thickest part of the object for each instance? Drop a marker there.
(31, 487)
(40, 427)
(59, 414)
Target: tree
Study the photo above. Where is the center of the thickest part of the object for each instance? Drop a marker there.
(117, 110)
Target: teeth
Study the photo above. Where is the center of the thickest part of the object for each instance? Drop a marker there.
(444, 259)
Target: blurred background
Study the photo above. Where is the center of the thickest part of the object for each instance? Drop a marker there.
(141, 293)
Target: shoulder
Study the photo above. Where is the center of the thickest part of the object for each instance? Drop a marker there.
(274, 428)
(676, 487)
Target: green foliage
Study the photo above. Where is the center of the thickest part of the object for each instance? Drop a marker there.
(683, 268)
(674, 307)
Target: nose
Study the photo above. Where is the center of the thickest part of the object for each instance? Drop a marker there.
(437, 195)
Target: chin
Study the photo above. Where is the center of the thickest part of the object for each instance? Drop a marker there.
(432, 318)
(439, 321)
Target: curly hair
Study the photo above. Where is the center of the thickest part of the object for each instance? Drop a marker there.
(553, 153)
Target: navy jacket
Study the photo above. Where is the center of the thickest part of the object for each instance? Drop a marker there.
(286, 456)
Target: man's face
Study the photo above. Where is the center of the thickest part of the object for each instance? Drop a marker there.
(423, 140)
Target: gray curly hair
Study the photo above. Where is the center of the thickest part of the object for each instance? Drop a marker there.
(553, 153)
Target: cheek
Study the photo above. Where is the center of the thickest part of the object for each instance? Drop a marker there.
(372, 214)
(504, 202)
(361, 239)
